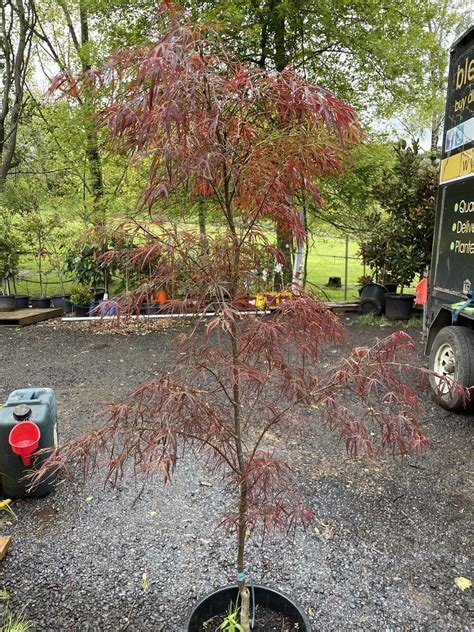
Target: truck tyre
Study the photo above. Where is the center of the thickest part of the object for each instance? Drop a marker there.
(452, 355)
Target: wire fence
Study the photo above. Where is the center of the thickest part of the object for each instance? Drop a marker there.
(334, 268)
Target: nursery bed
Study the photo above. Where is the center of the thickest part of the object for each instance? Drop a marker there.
(390, 539)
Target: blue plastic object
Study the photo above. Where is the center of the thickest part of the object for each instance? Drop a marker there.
(108, 307)
(39, 406)
(466, 306)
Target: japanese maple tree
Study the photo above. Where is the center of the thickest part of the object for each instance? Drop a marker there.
(252, 141)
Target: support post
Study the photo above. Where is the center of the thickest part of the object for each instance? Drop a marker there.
(346, 266)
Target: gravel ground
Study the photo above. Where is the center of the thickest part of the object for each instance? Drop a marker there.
(391, 536)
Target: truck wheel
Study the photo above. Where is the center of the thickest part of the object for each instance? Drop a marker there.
(452, 355)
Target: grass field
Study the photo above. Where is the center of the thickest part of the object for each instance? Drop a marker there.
(327, 259)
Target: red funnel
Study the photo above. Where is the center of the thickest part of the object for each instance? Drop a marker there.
(24, 439)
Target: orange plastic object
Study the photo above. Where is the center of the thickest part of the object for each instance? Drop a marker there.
(161, 297)
(422, 292)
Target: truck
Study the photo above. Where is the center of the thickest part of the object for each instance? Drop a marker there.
(450, 304)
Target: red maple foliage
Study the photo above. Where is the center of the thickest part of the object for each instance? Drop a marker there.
(252, 141)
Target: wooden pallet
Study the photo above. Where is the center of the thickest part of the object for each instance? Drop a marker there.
(343, 307)
(4, 544)
(23, 317)
(338, 307)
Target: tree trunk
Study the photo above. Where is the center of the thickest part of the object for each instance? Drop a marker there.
(16, 31)
(284, 245)
(81, 44)
(202, 225)
(237, 410)
(242, 524)
(306, 247)
(278, 27)
(298, 258)
(280, 58)
(92, 150)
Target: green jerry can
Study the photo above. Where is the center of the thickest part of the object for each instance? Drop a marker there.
(28, 422)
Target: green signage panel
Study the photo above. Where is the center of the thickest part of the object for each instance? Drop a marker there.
(455, 257)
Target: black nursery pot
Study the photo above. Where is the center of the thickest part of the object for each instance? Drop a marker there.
(21, 301)
(372, 298)
(391, 287)
(218, 602)
(61, 301)
(38, 302)
(7, 302)
(98, 293)
(150, 308)
(399, 306)
(82, 310)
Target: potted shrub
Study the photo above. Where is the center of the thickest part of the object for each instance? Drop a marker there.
(9, 260)
(11, 245)
(399, 247)
(82, 300)
(86, 262)
(244, 376)
(55, 235)
(35, 230)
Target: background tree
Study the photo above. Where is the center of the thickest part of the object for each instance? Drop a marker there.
(372, 55)
(424, 116)
(381, 59)
(350, 198)
(75, 17)
(16, 32)
(399, 245)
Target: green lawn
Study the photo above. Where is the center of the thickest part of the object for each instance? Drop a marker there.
(28, 279)
(327, 259)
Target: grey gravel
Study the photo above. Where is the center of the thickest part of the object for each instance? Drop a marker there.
(391, 536)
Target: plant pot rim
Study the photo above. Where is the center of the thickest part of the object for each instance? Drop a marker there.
(259, 588)
(372, 284)
(60, 295)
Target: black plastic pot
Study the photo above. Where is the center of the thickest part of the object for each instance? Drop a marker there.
(22, 301)
(372, 298)
(391, 287)
(399, 306)
(81, 310)
(38, 302)
(98, 293)
(218, 602)
(7, 302)
(150, 308)
(61, 301)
